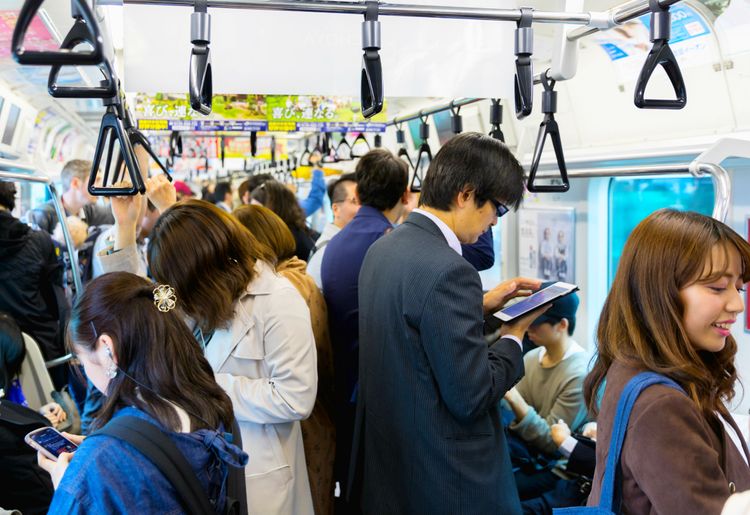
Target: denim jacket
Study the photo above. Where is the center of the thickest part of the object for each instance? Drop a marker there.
(107, 475)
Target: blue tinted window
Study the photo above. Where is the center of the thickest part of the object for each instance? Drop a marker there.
(633, 199)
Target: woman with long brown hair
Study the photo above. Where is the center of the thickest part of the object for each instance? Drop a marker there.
(318, 431)
(130, 337)
(255, 329)
(673, 301)
(280, 199)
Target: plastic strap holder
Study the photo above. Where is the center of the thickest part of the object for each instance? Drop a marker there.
(548, 127)
(201, 80)
(660, 54)
(524, 83)
(371, 84)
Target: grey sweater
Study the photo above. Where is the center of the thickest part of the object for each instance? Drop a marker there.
(552, 394)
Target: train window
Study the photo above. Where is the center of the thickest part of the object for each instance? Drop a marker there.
(633, 199)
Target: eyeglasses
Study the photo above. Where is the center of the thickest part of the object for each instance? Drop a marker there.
(500, 208)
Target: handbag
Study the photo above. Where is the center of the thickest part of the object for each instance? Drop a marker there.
(610, 499)
(160, 450)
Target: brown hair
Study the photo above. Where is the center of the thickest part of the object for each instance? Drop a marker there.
(269, 229)
(279, 199)
(207, 256)
(642, 320)
(154, 349)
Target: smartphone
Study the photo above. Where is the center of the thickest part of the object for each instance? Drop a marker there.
(536, 300)
(50, 442)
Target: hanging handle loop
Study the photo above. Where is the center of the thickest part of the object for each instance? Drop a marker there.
(496, 119)
(85, 24)
(660, 55)
(524, 83)
(548, 127)
(371, 83)
(201, 78)
(457, 123)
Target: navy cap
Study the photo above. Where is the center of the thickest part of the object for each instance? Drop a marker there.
(564, 307)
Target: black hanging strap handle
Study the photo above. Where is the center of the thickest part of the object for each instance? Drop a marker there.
(137, 138)
(424, 150)
(524, 83)
(496, 118)
(201, 79)
(457, 123)
(548, 127)
(360, 138)
(371, 84)
(175, 147)
(111, 128)
(337, 153)
(660, 55)
(85, 23)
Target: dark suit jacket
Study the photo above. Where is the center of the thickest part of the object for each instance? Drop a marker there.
(428, 431)
(583, 458)
(673, 459)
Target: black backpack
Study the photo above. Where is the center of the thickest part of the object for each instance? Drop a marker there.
(160, 450)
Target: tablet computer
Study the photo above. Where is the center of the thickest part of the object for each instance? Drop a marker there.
(536, 300)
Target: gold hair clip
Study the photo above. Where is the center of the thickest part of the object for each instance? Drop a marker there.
(164, 298)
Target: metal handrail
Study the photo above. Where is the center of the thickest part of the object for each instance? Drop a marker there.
(433, 109)
(41, 179)
(719, 177)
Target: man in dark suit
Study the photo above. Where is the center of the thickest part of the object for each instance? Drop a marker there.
(428, 437)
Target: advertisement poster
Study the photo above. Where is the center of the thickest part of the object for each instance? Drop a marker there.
(546, 243)
(246, 113)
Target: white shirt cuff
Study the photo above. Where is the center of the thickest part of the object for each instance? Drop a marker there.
(515, 339)
(566, 448)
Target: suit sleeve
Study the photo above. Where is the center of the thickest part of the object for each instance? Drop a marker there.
(471, 377)
(670, 458)
(289, 392)
(583, 458)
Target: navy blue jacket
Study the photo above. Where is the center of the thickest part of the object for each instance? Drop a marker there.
(428, 437)
(481, 254)
(340, 273)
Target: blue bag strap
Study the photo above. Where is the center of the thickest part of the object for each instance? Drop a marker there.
(627, 399)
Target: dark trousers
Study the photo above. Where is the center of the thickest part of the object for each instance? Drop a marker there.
(534, 484)
(566, 493)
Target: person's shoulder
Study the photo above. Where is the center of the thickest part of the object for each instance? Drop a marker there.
(531, 359)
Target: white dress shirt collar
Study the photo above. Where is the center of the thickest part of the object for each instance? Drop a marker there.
(448, 234)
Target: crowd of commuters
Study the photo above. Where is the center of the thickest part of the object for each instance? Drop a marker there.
(360, 370)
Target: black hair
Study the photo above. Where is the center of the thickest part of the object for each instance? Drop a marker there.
(222, 188)
(253, 182)
(8, 195)
(337, 191)
(12, 350)
(382, 179)
(478, 162)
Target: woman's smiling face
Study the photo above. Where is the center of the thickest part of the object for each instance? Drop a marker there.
(711, 307)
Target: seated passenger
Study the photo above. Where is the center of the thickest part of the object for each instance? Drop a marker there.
(673, 301)
(344, 203)
(256, 332)
(138, 351)
(31, 282)
(318, 431)
(551, 389)
(280, 199)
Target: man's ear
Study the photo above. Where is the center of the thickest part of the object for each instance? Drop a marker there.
(563, 324)
(406, 196)
(463, 197)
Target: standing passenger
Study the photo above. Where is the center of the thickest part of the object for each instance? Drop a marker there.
(672, 304)
(428, 428)
(255, 329)
(138, 352)
(382, 190)
(318, 431)
(344, 204)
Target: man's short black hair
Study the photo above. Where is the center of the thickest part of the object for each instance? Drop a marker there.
(8, 195)
(382, 179)
(222, 188)
(481, 163)
(337, 188)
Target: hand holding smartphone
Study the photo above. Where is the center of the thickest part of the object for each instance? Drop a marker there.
(50, 442)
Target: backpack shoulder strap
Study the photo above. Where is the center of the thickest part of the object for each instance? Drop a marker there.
(160, 450)
(630, 393)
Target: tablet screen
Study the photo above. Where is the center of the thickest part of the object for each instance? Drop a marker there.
(537, 299)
